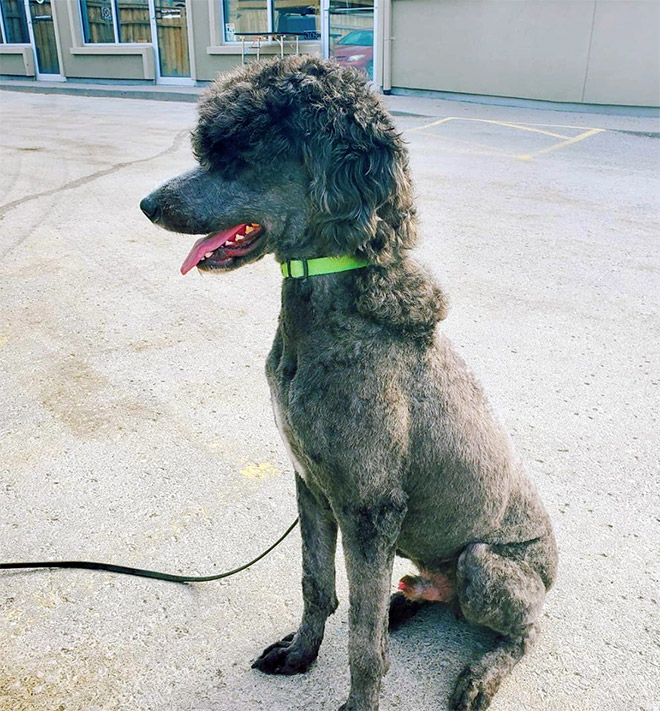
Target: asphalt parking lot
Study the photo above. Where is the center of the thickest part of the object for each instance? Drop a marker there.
(135, 421)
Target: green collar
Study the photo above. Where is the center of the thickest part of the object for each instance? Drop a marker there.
(302, 268)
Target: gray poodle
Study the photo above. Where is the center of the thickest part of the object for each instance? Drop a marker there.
(390, 435)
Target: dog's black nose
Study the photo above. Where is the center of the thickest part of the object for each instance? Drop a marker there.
(150, 208)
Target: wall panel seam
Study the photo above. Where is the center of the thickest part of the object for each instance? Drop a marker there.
(586, 68)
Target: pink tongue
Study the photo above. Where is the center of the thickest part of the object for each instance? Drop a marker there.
(209, 244)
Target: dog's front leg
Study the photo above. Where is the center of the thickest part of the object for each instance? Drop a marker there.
(318, 529)
(369, 535)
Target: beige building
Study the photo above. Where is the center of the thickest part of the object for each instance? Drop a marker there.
(578, 51)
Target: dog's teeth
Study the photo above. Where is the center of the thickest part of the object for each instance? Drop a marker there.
(248, 229)
(207, 255)
(238, 238)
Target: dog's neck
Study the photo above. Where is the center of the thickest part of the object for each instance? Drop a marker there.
(401, 297)
(319, 300)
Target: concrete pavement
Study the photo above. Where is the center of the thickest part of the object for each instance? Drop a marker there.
(136, 427)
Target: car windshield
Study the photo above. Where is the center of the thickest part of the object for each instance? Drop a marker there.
(362, 38)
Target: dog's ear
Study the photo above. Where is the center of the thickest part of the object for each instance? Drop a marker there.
(360, 191)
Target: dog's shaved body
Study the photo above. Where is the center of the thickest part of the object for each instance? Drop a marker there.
(390, 434)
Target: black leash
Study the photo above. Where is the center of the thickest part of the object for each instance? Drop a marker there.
(147, 573)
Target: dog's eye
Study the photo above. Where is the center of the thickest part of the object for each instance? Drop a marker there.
(227, 169)
(224, 157)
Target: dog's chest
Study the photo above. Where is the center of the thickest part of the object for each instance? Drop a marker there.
(286, 434)
(279, 381)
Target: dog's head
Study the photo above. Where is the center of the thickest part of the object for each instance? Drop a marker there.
(297, 157)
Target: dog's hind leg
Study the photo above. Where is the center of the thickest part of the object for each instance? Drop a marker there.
(318, 529)
(505, 593)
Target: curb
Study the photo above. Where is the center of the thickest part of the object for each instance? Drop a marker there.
(158, 94)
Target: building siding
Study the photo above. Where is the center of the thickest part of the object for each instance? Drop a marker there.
(600, 51)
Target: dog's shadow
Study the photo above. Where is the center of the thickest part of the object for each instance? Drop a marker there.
(427, 655)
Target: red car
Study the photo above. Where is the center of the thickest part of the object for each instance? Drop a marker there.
(356, 49)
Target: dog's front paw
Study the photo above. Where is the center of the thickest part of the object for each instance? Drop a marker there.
(285, 657)
(351, 706)
(472, 692)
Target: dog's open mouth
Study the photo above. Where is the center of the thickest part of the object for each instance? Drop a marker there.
(223, 248)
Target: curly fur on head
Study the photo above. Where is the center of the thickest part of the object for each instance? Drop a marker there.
(361, 199)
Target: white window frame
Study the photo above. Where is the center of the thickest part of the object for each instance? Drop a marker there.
(325, 36)
(270, 9)
(115, 28)
(3, 29)
(151, 6)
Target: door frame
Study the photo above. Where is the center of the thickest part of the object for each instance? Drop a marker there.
(325, 38)
(40, 76)
(172, 81)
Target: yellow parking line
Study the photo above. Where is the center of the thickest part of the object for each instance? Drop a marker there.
(521, 124)
(490, 150)
(509, 124)
(428, 125)
(575, 139)
(506, 124)
(522, 127)
(561, 125)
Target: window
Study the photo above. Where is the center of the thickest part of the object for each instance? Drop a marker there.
(110, 21)
(134, 23)
(283, 16)
(13, 28)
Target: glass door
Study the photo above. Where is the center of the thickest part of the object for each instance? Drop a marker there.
(171, 31)
(42, 30)
(350, 34)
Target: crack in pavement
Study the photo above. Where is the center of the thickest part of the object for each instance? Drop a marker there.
(176, 143)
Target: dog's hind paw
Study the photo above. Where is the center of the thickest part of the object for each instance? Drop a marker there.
(471, 692)
(285, 657)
